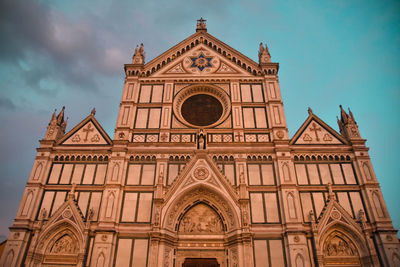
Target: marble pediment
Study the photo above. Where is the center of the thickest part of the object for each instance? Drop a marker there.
(201, 61)
(314, 131)
(87, 132)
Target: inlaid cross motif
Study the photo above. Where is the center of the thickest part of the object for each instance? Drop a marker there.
(239, 136)
(88, 130)
(315, 129)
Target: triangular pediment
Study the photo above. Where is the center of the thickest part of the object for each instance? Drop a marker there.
(87, 132)
(201, 170)
(201, 61)
(314, 131)
(68, 212)
(176, 60)
(333, 214)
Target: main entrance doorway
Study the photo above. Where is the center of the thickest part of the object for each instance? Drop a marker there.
(200, 262)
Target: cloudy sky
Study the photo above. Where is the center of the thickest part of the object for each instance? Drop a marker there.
(56, 52)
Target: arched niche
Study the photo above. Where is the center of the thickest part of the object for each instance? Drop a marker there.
(100, 260)
(176, 209)
(27, 203)
(299, 260)
(342, 246)
(9, 259)
(62, 245)
(38, 171)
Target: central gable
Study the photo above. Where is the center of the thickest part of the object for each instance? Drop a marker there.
(232, 60)
(201, 61)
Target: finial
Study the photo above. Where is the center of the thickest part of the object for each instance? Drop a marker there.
(139, 55)
(93, 112)
(331, 194)
(309, 111)
(71, 193)
(264, 55)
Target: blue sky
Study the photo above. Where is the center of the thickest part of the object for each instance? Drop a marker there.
(55, 53)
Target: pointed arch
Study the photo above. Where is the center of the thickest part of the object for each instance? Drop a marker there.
(377, 204)
(110, 204)
(395, 260)
(339, 245)
(38, 171)
(100, 260)
(291, 206)
(299, 260)
(339, 241)
(367, 171)
(27, 203)
(286, 172)
(175, 210)
(10, 258)
(63, 246)
(115, 172)
(62, 240)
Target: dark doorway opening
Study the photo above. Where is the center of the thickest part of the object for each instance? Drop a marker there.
(200, 262)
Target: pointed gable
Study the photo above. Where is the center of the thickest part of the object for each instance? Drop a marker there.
(201, 170)
(87, 132)
(201, 61)
(314, 131)
(179, 58)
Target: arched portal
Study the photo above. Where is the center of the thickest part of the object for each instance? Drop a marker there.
(340, 249)
(62, 248)
(201, 220)
(61, 244)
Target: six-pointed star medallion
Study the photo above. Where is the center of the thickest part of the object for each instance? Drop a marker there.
(201, 62)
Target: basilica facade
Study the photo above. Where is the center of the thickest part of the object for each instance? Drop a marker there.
(201, 171)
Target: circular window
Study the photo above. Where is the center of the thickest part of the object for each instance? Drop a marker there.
(201, 110)
(201, 106)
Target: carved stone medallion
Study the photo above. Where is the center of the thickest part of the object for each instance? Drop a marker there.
(67, 214)
(201, 173)
(335, 215)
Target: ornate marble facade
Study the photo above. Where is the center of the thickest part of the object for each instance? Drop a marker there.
(201, 170)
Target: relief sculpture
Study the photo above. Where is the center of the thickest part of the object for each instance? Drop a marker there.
(201, 219)
(338, 247)
(64, 245)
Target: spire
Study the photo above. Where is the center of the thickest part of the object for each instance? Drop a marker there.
(93, 112)
(57, 126)
(343, 115)
(60, 117)
(263, 54)
(348, 125)
(309, 111)
(201, 25)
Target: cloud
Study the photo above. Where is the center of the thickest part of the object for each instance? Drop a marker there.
(6, 103)
(71, 51)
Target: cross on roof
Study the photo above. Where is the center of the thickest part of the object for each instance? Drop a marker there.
(201, 24)
(201, 20)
